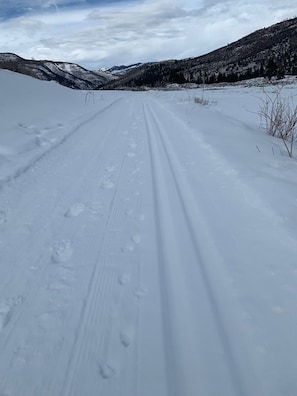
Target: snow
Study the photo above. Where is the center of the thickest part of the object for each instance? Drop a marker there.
(147, 244)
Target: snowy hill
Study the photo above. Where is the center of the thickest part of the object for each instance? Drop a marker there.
(67, 74)
(147, 243)
(120, 70)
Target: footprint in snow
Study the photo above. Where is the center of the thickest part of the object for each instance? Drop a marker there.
(95, 208)
(130, 246)
(5, 314)
(107, 371)
(140, 292)
(3, 217)
(132, 144)
(6, 308)
(136, 239)
(124, 279)
(75, 210)
(24, 126)
(43, 141)
(62, 251)
(126, 337)
(110, 168)
(107, 184)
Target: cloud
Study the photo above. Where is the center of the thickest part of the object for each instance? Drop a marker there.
(137, 31)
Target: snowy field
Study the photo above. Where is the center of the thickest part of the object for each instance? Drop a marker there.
(148, 244)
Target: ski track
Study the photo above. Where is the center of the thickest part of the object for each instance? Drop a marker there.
(113, 281)
(77, 128)
(189, 251)
(182, 376)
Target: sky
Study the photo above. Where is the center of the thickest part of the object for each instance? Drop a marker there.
(102, 33)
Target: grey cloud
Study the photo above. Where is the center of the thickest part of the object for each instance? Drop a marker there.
(144, 31)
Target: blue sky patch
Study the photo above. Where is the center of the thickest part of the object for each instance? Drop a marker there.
(16, 8)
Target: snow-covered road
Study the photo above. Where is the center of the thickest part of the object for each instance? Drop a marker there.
(137, 260)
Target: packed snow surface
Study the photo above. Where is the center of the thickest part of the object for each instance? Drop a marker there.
(148, 244)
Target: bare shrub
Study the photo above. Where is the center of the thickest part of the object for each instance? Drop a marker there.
(202, 101)
(279, 115)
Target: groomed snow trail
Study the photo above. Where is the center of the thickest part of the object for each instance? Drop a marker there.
(135, 261)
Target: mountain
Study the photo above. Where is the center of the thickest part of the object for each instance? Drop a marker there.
(68, 74)
(269, 52)
(120, 70)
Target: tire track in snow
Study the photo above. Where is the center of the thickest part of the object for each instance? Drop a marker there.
(180, 335)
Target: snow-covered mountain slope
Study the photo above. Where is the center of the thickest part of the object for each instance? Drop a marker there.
(69, 74)
(120, 70)
(269, 52)
(147, 245)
